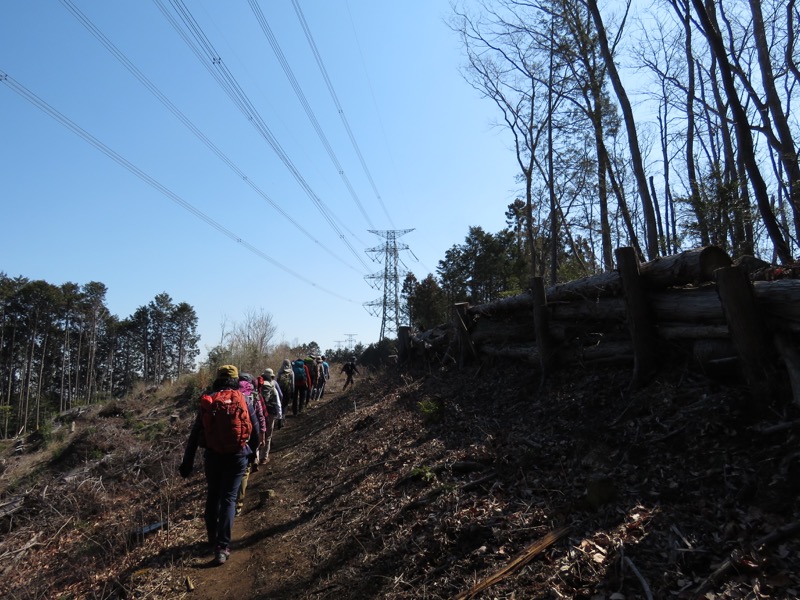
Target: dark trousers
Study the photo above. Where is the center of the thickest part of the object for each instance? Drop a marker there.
(299, 399)
(224, 474)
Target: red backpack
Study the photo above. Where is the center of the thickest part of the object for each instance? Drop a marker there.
(226, 422)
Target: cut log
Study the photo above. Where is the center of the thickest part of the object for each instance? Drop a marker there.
(591, 288)
(520, 302)
(617, 352)
(528, 353)
(504, 331)
(692, 267)
(607, 353)
(603, 309)
(706, 352)
(701, 305)
(780, 303)
(754, 267)
(692, 331)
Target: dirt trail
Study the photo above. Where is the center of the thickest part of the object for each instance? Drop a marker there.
(270, 556)
(420, 485)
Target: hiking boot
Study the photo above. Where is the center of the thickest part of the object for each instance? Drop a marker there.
(221, 555)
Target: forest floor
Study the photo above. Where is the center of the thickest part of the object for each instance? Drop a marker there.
(450, 484)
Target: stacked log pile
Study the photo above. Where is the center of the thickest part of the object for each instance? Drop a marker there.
(694, 306)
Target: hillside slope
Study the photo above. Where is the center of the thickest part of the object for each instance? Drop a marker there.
(422, 485)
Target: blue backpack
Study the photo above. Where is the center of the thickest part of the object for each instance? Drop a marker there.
(298, 367)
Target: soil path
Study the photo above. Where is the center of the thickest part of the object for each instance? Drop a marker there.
(272, 555)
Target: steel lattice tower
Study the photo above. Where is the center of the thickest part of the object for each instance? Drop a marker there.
(388, 307)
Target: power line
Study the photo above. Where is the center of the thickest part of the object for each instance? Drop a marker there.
(211, 60)
(321, 65)
(287, 69)
(372, 93)
(88, 137)
(153, 89)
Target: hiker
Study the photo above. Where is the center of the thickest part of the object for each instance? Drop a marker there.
(271, 393)
(254, 402)
(286, 383)
(349, 369)
(311, 363)
(230, 432)
(322, 378)
(302, 379)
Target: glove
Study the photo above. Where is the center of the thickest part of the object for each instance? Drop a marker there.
(185, 469)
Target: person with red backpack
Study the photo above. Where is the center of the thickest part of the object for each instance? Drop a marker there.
(228, 429)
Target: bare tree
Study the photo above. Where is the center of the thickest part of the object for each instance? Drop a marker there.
(744, 137)
(250, 339)
(648, 211)
(503, 66)
(784, 140)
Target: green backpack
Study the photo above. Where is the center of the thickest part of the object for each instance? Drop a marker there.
(285, 382)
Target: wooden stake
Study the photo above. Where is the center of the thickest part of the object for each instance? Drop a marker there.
(640, 323)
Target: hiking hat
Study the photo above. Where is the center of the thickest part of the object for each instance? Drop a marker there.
(268, 374)
(246, 377)
(226, 371)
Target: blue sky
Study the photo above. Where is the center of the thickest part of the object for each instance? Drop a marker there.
(427, 138)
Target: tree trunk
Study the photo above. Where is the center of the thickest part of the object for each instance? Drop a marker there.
(743, 135)
(651, 236)
(633, 238)
(787, 151)
(691, 168)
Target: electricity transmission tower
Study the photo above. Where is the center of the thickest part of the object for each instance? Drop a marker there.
(388, 307)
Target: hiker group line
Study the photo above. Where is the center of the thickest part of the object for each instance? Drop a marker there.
(235, 422)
